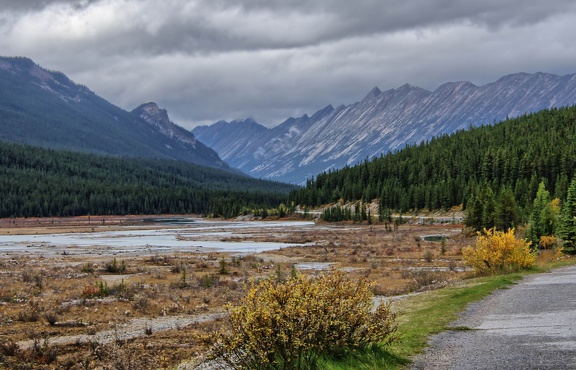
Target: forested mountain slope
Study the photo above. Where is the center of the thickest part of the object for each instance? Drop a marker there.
(46, 109)
(37, 182)
(383, 121)
(514, 155)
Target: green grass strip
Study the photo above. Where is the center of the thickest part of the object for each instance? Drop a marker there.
(429, 313)
(419, 317)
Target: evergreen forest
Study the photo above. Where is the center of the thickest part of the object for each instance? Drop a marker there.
(37, 182)
(514, 172)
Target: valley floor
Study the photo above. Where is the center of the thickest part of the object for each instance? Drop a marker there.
(88, 306)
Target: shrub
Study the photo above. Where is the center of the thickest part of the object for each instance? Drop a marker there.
(99, 290)
(547, 242)
(9, 348)
(117, 290)
(291, 324)
(87, 268)
(115, 268)
(424, 278)
(140, 303)
(51, 318)
(31, 315)
(223, 267)
(498, 251)
(208, 281)
(43, 352)
(177, 268)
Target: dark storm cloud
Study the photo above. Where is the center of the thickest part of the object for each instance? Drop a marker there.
(207, 60)
(222, 25)
(34, 5)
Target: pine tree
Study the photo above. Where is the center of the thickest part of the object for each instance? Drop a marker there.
(535, 230)
(507, 211)
(568, 220)
(482, 210)
(489, 218)
(474, 211)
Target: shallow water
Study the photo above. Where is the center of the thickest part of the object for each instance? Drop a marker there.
(197, 235)
(314, 266)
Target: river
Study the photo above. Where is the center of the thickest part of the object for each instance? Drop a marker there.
(160, 236)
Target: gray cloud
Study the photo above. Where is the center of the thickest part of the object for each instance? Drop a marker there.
(207, 60)
(35, 5)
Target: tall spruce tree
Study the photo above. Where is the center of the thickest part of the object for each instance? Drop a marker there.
(482, 210)
(507, 210)
(474, 210)
(489, 216)
(567, 228)
(535, 231)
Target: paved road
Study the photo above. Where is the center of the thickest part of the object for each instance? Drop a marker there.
(532, 325)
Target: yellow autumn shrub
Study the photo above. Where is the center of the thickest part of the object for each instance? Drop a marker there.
(547, 242)
(291, 324)
(499, 251)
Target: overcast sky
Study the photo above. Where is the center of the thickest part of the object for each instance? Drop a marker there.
(207, 60)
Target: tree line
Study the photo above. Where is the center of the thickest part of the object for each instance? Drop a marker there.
(447, 171)
(37, 182)
(493, 172)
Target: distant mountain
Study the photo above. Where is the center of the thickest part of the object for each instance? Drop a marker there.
(383, 121)
(46, 109)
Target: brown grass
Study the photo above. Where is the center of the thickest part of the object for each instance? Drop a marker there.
(71, 295)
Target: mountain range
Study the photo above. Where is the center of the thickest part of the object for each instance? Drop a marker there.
(383, 121)
(46, 109)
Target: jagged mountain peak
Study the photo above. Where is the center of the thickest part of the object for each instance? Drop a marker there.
(245, 121)
(525, 77)
(454, 86)
(158, 117)
(384, 121)
(373, 93)
(25, 66)
(406, 87)
(151, 111)
(16, 64)
(46, 109)
(243, 124)
(322, 112)
(150, 107)
(54, 82)
(406, 90)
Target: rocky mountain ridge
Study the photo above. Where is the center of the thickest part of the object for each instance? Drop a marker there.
(46, 109)
(383, 121)
(158, 118)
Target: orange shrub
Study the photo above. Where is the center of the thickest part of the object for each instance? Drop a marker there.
(99, 290)
(498, 251)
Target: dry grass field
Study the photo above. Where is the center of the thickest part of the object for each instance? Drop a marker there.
(157, 310)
